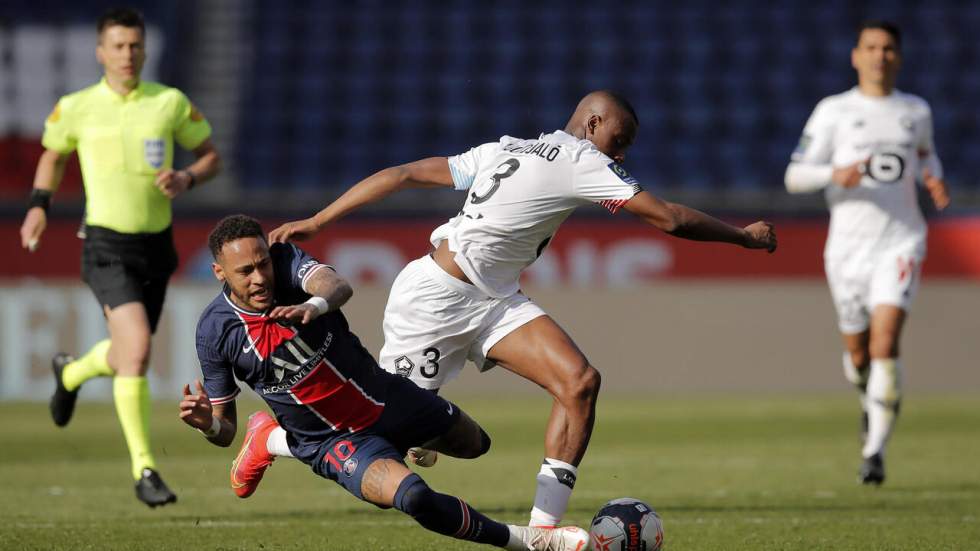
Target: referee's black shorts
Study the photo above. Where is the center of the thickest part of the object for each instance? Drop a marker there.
(125, 267)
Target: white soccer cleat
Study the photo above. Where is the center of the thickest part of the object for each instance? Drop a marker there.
(565, 538)
(422, 457)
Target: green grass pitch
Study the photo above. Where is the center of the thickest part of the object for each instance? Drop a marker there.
(766, 472)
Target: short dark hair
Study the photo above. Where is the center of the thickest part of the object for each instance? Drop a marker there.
(125, 17)
(883, 25)
(230, 228)
(623, 103)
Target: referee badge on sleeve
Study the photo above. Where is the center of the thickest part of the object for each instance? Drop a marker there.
(154, 151)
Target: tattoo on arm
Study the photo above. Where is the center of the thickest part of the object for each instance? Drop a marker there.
(328, 284)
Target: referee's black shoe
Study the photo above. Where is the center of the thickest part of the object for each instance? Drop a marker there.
(151, 490)
(63, 400)
(872, 470)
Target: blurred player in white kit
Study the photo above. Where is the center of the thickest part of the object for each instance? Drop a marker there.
(866, 149)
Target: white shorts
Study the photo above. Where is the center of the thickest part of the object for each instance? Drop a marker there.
(860, 282)
(434, 322)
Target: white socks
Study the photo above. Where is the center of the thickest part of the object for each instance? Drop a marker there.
(555, 482)
(883, 397)
(856, 378)
(276, 444)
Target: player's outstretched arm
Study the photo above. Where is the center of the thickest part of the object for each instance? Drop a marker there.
(330, 291)
(47, 178)
(688, 223)
(431, 172)
(936, 188)
(218, 423)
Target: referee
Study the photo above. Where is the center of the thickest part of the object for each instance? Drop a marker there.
(124, 130)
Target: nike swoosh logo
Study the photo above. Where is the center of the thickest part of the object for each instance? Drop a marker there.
(450, 408)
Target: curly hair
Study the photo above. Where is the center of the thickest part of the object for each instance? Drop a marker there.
(231, 228)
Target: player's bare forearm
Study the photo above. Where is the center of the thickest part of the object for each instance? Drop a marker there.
(431, 172)
(681, 221)
(687, 223)
(50, 170)
(227, 418)
(227, 415)
(330, 286)
(207, 163)
(198, 412)
(698, 226)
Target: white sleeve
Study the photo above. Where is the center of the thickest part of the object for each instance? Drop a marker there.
(927, 149)
(810, 168)
(465, 166)
(601, 180)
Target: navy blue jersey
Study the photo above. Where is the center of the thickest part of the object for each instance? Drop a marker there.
(318, 379)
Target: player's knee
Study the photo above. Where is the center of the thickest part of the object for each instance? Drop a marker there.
(477, 443)
(478, 446)
(131, 358)
(579, 386)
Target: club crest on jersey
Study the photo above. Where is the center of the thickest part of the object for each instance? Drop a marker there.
(404, 366)
(906, 123)
(350, 466)
(154, 151)
(622, 174)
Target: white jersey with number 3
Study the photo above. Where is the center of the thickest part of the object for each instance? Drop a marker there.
(517, 194)
(894, 133)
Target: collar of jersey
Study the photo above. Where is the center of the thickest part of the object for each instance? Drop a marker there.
(134, 94)
(561, 135)
(875, 99)
(224, 293)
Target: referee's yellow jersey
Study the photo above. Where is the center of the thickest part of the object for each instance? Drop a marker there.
(122, 143)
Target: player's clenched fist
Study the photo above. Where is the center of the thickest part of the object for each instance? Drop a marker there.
(761, 235)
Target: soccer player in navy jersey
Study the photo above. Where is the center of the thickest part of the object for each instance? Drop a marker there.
(277, 327)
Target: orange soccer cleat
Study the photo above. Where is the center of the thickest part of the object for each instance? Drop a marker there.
(253, 459)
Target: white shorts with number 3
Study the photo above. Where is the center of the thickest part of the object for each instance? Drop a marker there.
(434, 322)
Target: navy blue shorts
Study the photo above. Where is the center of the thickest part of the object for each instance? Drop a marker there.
(412, 416)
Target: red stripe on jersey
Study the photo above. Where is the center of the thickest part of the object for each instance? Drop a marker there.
(335, 399)
(224, 399)
(613, 204)
(265, 333)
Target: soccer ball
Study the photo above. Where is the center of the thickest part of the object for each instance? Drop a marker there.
(626, 524)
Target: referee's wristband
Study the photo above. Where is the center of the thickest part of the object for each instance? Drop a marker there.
(320, 303)
(213, 430)
(39, 198)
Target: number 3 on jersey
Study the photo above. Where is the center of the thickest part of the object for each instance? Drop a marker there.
(506, 169)
(431, 366)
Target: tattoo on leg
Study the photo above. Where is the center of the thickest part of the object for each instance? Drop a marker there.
(372, 485)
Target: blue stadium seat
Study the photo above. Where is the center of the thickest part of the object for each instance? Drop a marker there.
(722, 94)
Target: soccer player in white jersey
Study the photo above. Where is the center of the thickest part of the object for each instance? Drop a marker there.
(866, 149)
(464, 301)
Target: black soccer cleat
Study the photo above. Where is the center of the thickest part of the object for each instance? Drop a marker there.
(872, 470)
(62, 404)
(151, 490)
